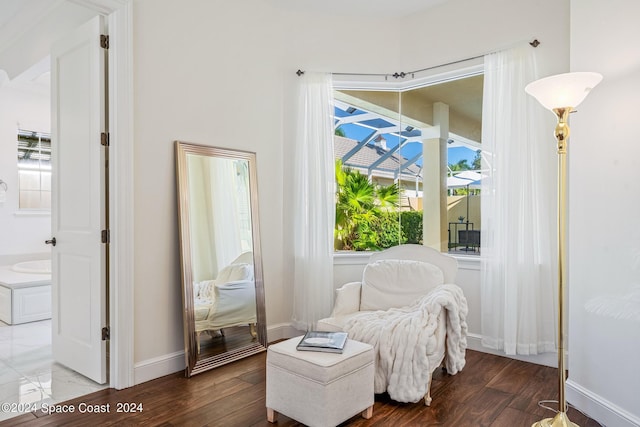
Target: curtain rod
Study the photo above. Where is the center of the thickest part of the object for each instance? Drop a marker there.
(535, 43)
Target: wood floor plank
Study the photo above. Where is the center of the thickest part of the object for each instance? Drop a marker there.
(483, 409)
(514, 376)
(539, 388)
(512, 417)
(490, 391)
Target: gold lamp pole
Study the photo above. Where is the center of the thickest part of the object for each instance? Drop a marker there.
(561, 94)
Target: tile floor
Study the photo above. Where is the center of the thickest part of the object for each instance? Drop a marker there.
(28, 373)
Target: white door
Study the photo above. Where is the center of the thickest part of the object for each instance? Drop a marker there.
(78, 208)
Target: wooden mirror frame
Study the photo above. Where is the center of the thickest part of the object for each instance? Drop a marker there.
(195, 364)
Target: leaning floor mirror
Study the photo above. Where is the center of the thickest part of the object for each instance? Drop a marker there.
(222, 288)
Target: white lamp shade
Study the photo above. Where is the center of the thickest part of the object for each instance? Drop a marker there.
(563, 90)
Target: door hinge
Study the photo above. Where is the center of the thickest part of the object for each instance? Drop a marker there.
(106, 236)
(104, 41)
(106, 334)
(104, 139)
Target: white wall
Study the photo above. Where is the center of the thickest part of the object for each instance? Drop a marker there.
(205, 72)
(222, 73)
(604, 241)
(459, 29)
(26, 105)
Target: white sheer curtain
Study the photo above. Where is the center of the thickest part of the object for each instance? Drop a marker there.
(203, 259)
(313, 201)
(219, 214)
(519, 263)
(226, 213)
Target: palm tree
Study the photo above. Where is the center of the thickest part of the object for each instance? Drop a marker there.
(359, 206)
(462, 165)
(477, 160)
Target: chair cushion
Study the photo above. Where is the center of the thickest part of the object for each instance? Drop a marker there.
(397, 283)
(318, 366)
(347, 299)
(234, 272)
(335, 323)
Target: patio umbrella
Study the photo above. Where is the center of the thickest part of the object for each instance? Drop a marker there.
(456, 182)
(475, 177)
(469, 174)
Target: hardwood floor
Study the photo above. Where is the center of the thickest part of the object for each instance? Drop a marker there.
(490, 391)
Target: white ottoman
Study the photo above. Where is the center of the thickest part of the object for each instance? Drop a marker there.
(319, 389)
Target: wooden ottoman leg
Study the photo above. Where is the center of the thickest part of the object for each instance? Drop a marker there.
(367, 413)
(271, 415)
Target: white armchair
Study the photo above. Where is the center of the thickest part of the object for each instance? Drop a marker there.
(228, 300)
(407, 294)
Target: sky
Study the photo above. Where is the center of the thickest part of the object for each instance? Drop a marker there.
(454, 155)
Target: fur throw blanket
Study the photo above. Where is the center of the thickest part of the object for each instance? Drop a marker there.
(404, 337)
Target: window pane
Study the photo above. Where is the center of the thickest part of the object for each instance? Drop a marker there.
(34, 169)
(379, 146)
(29, 199)
(29, 180)
(45, 180)
(366, 147)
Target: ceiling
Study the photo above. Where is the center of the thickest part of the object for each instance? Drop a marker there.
(17, 17)
(9, 9)
(29, 27)
(464, 96)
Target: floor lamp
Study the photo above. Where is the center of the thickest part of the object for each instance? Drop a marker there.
(561, 94)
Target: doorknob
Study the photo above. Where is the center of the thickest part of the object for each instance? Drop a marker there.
(51, 242)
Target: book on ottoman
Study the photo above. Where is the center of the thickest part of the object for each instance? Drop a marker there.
(331, 342)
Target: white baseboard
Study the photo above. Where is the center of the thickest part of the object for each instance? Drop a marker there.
(474, 342)
(281, 331)
(157, 367)
(599, 408)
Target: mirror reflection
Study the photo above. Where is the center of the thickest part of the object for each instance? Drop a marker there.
(222, 278)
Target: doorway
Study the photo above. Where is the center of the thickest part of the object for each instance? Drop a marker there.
(119, 16)
(49, 356)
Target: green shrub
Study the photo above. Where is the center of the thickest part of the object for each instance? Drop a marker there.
(412, 226)
(367, 216)
(360, 210)
(389, 231)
